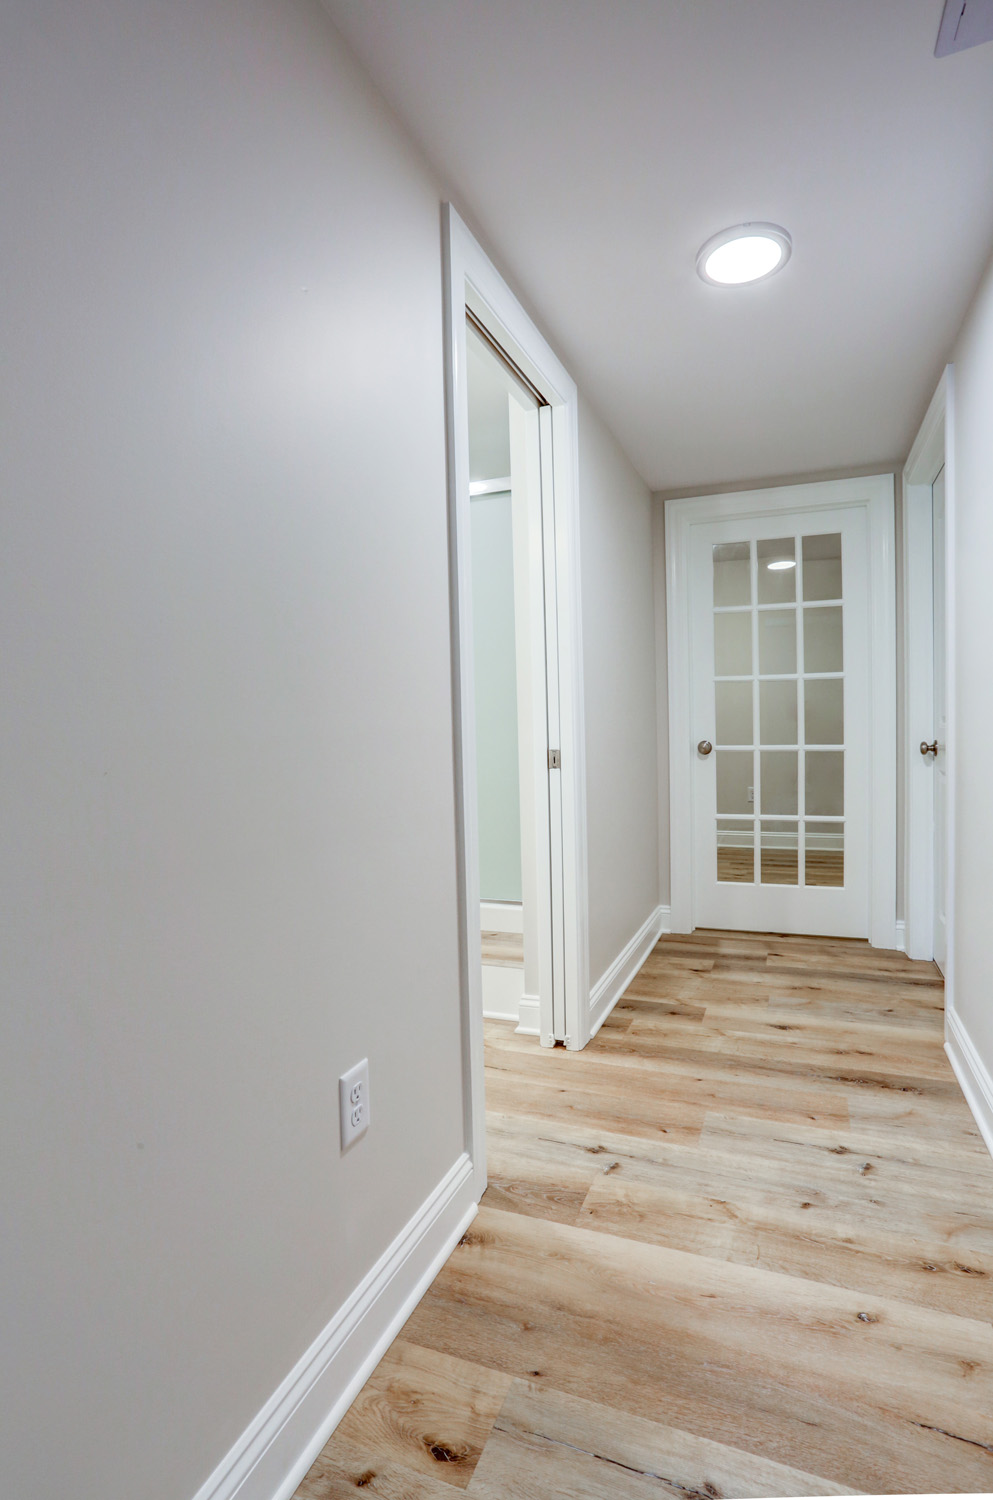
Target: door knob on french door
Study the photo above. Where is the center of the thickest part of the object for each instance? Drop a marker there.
(927, 749)
(705, 747)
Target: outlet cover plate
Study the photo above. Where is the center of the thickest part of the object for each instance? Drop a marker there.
(353, 1103)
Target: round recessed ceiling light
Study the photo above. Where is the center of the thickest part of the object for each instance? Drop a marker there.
(780, 563)
(748, 252)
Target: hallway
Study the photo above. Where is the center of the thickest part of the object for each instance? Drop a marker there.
(742, 1245)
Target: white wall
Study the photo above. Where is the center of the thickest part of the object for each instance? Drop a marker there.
(620, 684)
(226, 763)
(972, 606)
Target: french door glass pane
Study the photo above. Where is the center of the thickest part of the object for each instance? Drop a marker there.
(825, 782)
(779, 856)
(824, 711)
(822, 639)
(825, 853)
(822, 566)
(777, 640)
(779, 781)
(734, 713)
(777, 712)
(734, 781)
(777, 571)
(733, 644)
(736, 850)
(732, 573)
(780, 758)
(755, 589)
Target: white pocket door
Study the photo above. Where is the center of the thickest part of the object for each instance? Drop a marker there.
(780, 722)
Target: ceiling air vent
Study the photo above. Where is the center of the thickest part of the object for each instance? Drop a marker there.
(964, 23)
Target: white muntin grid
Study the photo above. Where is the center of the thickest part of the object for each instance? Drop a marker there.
(791, 828)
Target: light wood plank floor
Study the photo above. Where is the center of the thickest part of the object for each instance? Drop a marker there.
(505, 948)
(781, 866)
(742, 1245)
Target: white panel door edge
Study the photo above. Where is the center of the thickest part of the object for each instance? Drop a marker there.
(868, 504)
(933, 450)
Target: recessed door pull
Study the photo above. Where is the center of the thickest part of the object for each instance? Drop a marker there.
(705, 747)
(555, 760)
(927, 749)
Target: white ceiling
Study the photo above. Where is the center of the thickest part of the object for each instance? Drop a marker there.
(595, 144)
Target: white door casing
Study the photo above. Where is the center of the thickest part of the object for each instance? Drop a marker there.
(861, 512)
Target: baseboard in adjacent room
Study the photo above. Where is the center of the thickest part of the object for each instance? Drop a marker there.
(503, 991)
(278, 1447)
(501, 916)
(972, 1074)
(528, 1020)
(611, 986)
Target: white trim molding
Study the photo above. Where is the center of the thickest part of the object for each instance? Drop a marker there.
(874, 495)
(278, 1447)
(503, 991)
(611, 986)
(972, 1074)
(501, 916)
(529, 1022)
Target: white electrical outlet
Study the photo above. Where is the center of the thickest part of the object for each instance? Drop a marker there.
(353, 1103)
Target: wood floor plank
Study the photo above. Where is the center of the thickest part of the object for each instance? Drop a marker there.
(345, 1472)
(423, 1411)
(627, 1089)
(865, 1391)
(600, 1109)
(503, 948)
(832, 1242)
(550, 1446)
(533, 1173)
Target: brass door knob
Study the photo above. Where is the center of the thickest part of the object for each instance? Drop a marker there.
(927, 749)
(705, 747)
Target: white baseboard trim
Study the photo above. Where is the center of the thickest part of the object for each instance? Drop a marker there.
(278, 1447)
(972, 1074)
(503, 990)
(527, 1024)
(901, 937)
(501, 916)
(609, 989)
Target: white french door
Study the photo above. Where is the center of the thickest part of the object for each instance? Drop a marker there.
(779, 716)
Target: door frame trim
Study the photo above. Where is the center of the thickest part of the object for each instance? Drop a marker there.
(471, 280)
(932, 448)
(874, 494)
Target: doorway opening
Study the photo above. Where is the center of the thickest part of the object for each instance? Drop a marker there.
(517, 664)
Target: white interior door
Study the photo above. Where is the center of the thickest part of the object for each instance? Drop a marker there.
(940, 730)
(780, 715)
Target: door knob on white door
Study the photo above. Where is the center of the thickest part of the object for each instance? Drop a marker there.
(927, 749)
(705, 747)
